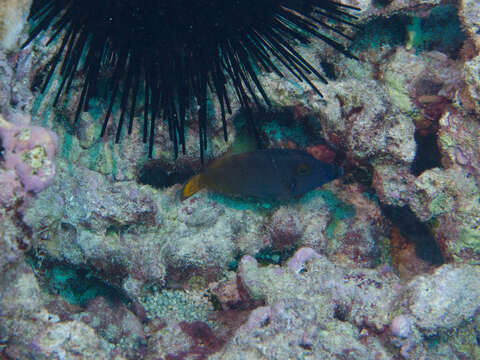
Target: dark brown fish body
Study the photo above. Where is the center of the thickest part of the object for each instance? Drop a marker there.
(275, 174)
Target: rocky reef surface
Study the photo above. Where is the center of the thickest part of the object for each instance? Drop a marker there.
(101, 259)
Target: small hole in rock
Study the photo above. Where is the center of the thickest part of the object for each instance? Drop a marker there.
(305, 346)
(341, 312)
(329, 70)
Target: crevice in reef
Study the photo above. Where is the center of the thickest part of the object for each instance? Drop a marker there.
(441, 30)
(157, 174)
(415, 233)
(428, 155)
(77, 285)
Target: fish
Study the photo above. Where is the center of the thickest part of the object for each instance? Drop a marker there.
(270, 174)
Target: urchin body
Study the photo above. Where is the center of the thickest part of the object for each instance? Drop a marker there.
(179, 53)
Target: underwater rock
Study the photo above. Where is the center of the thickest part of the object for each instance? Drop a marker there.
(393, 184)
(283, 229)
(204, 234)
(88, 220)
(366, 298)
(23, 311)
(5, 83)
(97, 204)
(116, 324)
(471, 75)
(315, 222)
(386, 8)
(21, 307)
(449, 199)
(21, 292)
(13, 18)
(344, 224)
(264, 336)
(247, 271)
(422, 92)
(469, 12)
(167, 341)
(365, 294)
(361, 119)
(71, 340)
(12, 244)
(323, 293)
(445, 299)
(458, 139)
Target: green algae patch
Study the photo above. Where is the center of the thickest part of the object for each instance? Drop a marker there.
(380, 31)
(233, 264)
(398, 93)
(242, 204)
(468, 240)
(441, 203)
(269, 255)
(441, 30)
(331, 227)
(339, 209)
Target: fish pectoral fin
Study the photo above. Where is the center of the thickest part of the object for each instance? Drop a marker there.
(193, 185)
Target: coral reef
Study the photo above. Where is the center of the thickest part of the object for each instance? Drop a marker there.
(382, 263)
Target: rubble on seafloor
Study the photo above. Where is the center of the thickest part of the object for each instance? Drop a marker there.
(383, 263)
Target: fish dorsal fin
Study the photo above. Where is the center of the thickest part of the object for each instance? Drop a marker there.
(225, 157)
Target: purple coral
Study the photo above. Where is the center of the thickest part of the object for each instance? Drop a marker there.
(29, 151)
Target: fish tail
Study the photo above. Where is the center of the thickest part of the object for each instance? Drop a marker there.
(192, 186)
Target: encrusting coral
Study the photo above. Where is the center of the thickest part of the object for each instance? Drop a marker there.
(28, 153)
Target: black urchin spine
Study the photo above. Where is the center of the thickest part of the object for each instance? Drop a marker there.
(180, 52)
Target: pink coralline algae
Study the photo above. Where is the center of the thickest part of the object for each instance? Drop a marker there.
(29, 152)
(301, 257)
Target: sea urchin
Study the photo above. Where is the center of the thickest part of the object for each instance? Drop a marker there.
(176, 54)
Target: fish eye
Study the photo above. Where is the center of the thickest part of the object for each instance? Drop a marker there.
(303, 169)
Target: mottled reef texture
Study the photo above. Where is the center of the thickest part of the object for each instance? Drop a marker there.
(383, 263)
